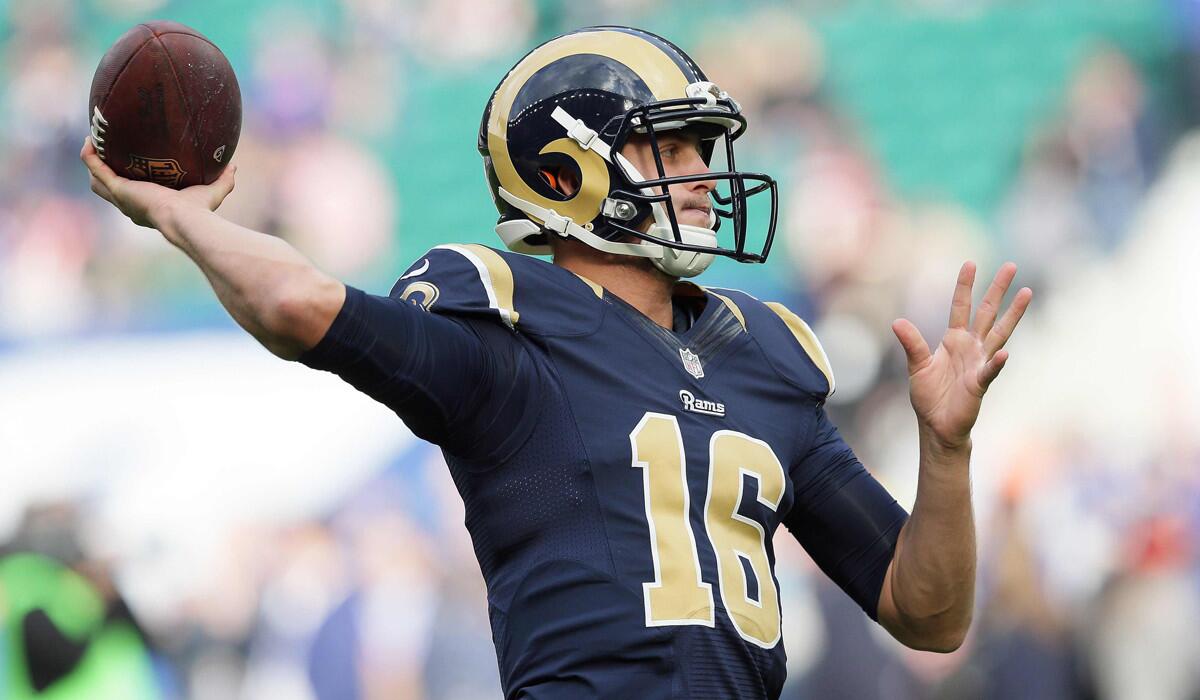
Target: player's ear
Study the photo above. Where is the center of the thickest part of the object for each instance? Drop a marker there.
(568, 181)
(564, 180)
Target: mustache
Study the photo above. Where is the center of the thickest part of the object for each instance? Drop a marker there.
(694, 202)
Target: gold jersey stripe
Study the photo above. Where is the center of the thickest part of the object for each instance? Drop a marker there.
(806, 338)
(599, 291)
(496, 276)
(733, 308)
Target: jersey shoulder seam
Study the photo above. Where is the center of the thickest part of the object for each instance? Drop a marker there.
(798, 329)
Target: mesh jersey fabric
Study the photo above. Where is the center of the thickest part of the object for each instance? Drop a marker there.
(535, 384)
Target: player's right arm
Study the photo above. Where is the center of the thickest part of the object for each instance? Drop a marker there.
(269, 288)
(460, 383)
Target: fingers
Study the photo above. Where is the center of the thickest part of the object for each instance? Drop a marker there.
(916, 350)
(991, 370)
(1003, 329)
(985, 315)
(960, 306)
(215, 192)
(99, 170)
(89, 156)
(99, 188)
(223, 186)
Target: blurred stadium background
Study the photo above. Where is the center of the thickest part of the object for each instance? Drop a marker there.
(230, 526)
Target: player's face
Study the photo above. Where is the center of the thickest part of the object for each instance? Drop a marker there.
(680, 152)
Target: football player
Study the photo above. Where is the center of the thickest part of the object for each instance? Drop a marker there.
(627, 442)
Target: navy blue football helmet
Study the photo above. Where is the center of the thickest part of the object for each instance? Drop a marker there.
(573, 102)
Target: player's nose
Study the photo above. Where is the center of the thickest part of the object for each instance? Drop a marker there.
(696, 166)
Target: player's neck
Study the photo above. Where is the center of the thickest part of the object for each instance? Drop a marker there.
(633, 280)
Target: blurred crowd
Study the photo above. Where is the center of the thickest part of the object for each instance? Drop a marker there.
(907, 137)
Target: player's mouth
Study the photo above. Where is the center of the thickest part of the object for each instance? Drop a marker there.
(695, 213)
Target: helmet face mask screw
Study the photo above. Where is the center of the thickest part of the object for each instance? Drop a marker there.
(623, 210)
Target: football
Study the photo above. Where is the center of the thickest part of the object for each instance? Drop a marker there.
(165, 106)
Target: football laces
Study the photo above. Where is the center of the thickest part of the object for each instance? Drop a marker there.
(98, 130)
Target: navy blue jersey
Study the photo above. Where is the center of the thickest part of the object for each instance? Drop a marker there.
(622, 481)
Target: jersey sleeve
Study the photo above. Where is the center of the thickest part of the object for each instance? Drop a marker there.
(464, 383)
(843, 517)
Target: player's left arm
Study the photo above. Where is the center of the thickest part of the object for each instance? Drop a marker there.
(928, 590)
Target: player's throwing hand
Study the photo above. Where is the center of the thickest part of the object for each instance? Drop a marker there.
(947, 385)
(144, 202)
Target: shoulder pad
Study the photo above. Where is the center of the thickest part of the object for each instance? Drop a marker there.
(787, 341)
(524, 293)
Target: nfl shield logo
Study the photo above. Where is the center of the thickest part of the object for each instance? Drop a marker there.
(164, 171)
(691, 362)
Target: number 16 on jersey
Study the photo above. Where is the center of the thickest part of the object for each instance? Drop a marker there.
(678, 595)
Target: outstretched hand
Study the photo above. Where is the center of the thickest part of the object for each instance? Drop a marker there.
(947, 386)
(144, 202)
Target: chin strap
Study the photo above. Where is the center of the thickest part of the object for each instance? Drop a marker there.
(676, 262)
(564, 227)
(684, 263)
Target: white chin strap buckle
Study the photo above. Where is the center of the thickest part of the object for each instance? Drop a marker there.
(582, 134)
(556, 223)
